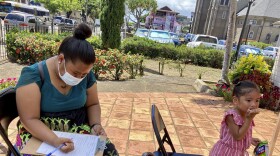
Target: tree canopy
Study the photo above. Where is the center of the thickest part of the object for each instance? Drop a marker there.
(55, 6)
(138, 8)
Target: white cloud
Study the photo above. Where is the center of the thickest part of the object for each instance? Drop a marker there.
(184, 7)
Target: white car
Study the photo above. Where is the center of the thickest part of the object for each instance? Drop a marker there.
(205, 40)
(270, 51)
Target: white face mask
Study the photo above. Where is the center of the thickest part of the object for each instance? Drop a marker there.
(68, 78)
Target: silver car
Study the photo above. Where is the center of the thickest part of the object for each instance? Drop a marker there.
(160, 36)
(270, 51)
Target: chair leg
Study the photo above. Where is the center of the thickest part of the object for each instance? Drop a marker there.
(8, 142)
(3, 148)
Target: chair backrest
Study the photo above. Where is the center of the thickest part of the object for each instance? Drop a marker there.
(158, 126)
(8, 112)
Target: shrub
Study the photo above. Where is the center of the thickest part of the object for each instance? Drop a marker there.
(225, 91)
(116, 62)
(260, 45)
(135, 64)
(270, 62)
(197, 56)
(95, 41)
(271, 93)
(246, 65)
(5, 83)
(255, 69)
(101, 65)
(25, 47)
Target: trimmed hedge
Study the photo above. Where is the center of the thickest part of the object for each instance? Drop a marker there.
(25, 47)
(197, 56)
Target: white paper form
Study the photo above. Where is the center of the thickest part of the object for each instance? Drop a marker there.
(85, 145)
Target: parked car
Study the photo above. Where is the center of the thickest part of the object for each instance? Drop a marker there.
(205, 40)
(160, 36)
(224, 42)
(175, 38)
(188, 38)
(70, 22)
(58, 20)
(245, 50)
(270, 51)
(182, 38)
(24, 21)
(141, 32)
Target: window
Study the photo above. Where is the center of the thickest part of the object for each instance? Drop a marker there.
(224, 15)
(251, 35)
(240, 22)
(254, 22)
(268, 37)
(207, 39)
(276, 38)
(224, 2)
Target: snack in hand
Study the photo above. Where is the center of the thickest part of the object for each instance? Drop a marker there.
(254, 111)
(261, 149)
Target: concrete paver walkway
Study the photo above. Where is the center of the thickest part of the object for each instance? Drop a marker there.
(192, 119)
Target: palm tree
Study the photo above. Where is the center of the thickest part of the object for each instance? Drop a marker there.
(229, 41)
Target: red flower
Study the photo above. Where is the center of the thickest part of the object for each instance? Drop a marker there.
(103, 72)
(112, 66)
(17, 50)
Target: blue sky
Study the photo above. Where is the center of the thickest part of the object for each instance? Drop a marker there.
(184, 7)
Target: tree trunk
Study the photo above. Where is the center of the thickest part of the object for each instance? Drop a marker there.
(68, 14)
(229, 41)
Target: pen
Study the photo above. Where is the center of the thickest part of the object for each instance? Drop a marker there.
(59, 147)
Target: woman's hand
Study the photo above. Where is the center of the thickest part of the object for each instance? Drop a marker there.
(98, 130)
(68, 142)
(255, 141)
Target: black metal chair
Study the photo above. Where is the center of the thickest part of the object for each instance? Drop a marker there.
(8, 112)
(158, 126)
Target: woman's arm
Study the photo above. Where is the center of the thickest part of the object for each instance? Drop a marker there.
(28, 104)
(94, 110)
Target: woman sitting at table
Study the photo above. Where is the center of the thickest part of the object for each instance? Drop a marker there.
(65, 99)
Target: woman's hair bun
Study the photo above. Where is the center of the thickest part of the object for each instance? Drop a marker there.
(82, 31)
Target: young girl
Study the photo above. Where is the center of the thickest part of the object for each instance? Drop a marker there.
(237, 124)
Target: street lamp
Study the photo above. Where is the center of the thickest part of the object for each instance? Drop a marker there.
(250, 24)
(242, 30)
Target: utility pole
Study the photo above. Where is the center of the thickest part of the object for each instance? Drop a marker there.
(242, 30)
(86, 11)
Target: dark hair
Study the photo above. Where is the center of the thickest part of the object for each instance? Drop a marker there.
(244, 87)
(76, 47)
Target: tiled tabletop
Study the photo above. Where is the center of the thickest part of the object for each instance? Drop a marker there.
(192, 119)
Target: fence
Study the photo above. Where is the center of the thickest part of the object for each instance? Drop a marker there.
(3, 52)
(4, 28)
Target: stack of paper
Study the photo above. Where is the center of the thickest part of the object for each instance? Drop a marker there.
(84, 144)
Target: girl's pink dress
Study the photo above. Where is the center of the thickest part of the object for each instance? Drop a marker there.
(227, 145)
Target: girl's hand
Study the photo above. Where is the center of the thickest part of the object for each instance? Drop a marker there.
(98, 130)
(255, 141)
(69, 144)
(251, 113)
